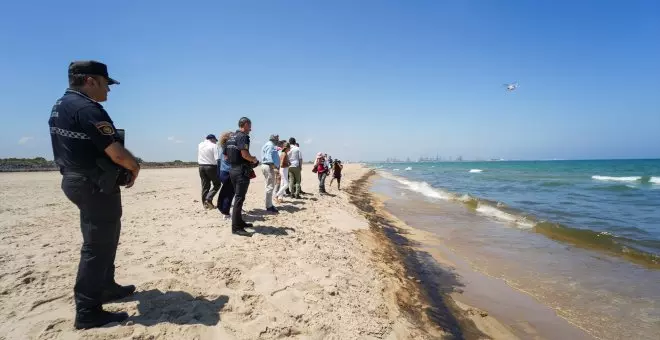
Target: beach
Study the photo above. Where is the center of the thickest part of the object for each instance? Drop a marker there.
(336, 266)
(311, 272)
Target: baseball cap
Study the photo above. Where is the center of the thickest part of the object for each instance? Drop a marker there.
(211, 136)
(91, 68)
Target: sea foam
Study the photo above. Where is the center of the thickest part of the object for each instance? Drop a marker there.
(490, 209)
(475, 170)
(617, 179)
(498, 214)
(419, 187)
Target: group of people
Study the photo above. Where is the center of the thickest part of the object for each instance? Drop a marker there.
(94, 164)
(226, 166)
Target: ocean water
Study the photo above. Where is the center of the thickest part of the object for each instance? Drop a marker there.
(582, 237)
(609, 205)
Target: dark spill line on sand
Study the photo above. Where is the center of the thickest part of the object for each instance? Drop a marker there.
(427, 285)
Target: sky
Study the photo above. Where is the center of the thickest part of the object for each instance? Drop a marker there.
(360, 80)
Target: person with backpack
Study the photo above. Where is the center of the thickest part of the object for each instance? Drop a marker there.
(321, 169)
(337, 167)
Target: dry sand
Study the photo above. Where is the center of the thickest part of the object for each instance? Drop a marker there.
(310, 272)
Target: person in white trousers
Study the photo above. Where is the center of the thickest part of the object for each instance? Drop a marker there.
(284, 172)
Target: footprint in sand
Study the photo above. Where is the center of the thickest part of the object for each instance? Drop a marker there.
(233, 278)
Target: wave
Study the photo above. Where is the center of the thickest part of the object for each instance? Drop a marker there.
(408, 168)
(583, 238)
(617, 179)
(639, 179)
(496, 213)
(496, 210)
(420, 187)
(475, 170)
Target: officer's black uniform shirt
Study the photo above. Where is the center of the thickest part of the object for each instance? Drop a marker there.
(80, 130)
(237, 141)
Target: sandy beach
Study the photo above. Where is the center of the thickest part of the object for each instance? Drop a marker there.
(311, 272)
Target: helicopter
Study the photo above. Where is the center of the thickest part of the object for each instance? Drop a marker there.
(511, 87)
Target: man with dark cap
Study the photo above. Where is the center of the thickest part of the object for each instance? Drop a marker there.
(207, 158)
(94, 163)
(242, 165)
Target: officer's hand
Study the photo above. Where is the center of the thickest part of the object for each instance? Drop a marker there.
(133, 178)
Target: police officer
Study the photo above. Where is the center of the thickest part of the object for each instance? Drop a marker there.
(84, 136)
(242, 164)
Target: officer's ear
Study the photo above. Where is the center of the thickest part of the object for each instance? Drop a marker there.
(90, 81)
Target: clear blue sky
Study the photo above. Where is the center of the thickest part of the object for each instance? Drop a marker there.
(360, 80)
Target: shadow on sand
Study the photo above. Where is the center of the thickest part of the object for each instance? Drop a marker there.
(268, 230)
(176, 307)
(285, 207)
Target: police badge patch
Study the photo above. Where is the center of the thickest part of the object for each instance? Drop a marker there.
(105, 128)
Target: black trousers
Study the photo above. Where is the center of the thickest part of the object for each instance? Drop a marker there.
(209, 174)
(100, 224)
(241, 180)
(226, 194)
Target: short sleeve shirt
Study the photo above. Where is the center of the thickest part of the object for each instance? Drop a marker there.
(242, 141)
(80, 130)
(237, 142)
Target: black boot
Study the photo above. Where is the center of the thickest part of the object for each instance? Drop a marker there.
(96, 317)
(117, 292)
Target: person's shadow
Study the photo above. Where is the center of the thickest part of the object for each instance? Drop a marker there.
(251, 216)
(267, 230)
(176, 307)
(287, 208)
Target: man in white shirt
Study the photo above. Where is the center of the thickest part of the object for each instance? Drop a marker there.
(207, 158)
(295, 170)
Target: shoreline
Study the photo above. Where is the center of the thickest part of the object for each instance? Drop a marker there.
(477, 302)
(429, 286)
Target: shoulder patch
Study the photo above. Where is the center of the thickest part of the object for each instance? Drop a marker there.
(105, 128)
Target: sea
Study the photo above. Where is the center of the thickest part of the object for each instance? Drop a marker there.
(581, 237)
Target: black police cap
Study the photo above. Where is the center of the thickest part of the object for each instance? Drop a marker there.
(91, 68)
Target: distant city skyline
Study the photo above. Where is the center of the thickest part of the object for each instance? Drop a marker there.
(359, 80)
